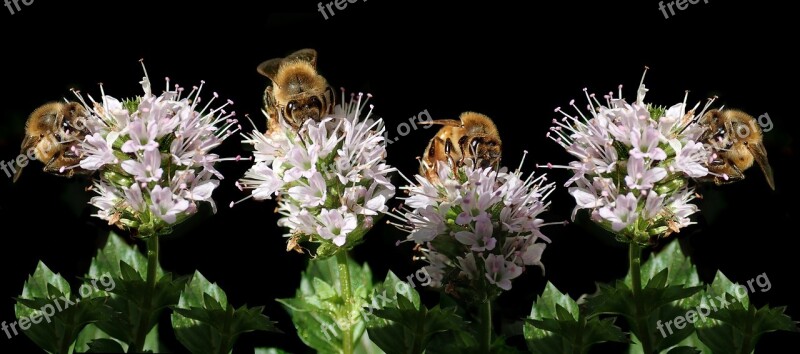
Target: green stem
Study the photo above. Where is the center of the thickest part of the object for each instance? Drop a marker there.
(748, 330)
(486, 326)
(344, 279)
(144, 320)
(635, 256)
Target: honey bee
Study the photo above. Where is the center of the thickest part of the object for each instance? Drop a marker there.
(297, 92)
(474, 137)
(737, 140)
(51, 132)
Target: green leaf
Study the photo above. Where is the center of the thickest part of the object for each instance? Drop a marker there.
(462, 341)
(128, 298)
(87, 335)
(318, 314)
(105, 346)
(684, 350)
(558, 325)
(660, 307)
(672, 288)
(92, 332)
(129, 273)
(205, 322)
(694, 342)
(681, 269)
(732, 323)
(152, 342)
(270, 351)
(44, 284)
(116, 250)
(126, 267)
(367, 346)
(401, 324)
(49, 315)
(325, 291)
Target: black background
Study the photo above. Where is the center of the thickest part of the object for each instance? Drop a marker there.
(514, 63)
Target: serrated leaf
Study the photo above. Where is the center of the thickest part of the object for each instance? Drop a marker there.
(557, 325)
(127, 300)
(660, 306)
(317, 329)
(44, 284)
(318, 315)
(733, 323)
(722, 286)
(49, 315)
(672, 288)
(205, 322)
(694, 342)
(402, 325)
(126, 266)
(107, 261)
(616, 299)
(681, 270)
(129, 273)
(659, 280)
(545, 305)
(563, 315)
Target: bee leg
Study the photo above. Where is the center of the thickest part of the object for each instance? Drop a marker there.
(717, 162)
(733, 173)
(52, 165)
(453, 165)
(268, 100)
(60, 161)
(330, 100)
(272, 113)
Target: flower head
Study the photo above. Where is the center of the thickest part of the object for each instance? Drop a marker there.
(477, 227)
(330, 177)
(634, 163)
(152, 155)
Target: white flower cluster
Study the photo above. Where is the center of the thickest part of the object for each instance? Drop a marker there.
(478, 223)
(634, 163)
(154, 156)
(331, 177)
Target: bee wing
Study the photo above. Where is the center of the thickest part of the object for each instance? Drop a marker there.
(308, 54)
(760, 155)
(270, 67)
(17, 174)
(445, 122)
(26, 145)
